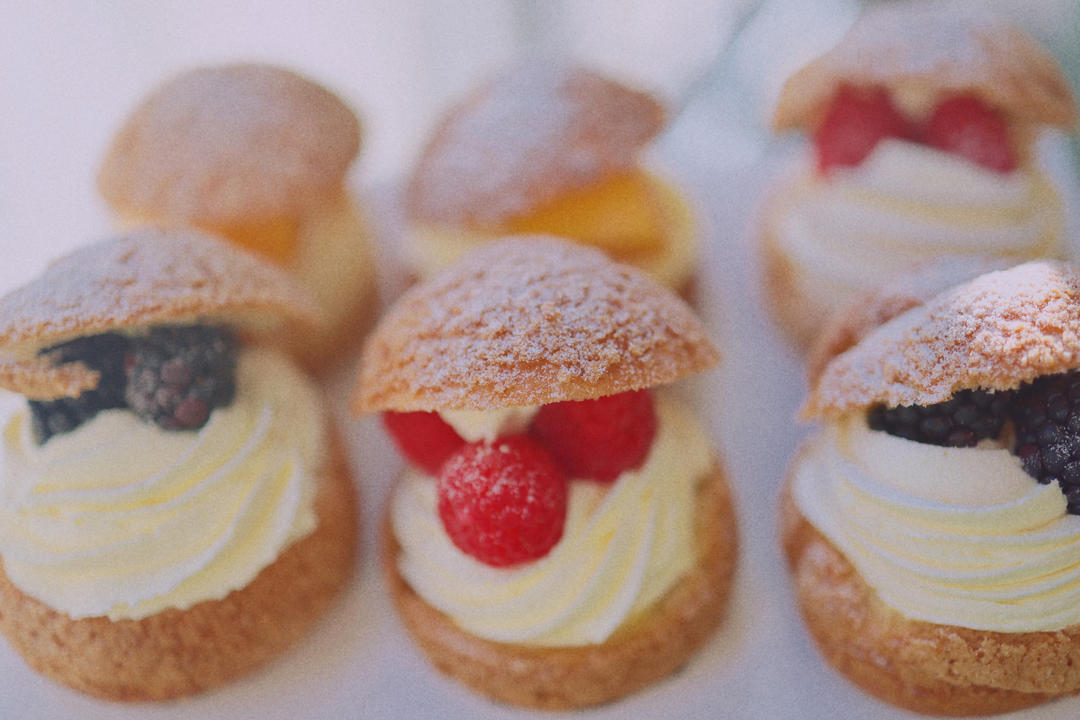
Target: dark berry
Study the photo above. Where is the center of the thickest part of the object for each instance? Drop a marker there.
(423, 437)
(1046, 415)
(503, 503)
(177, 374)
(856, 120)
(961, 421)
(598, 439)
(966, 126)
(104, 353)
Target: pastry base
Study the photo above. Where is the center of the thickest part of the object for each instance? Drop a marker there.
(182, 652)
(799, 316)
(921, 666)
(638, 654)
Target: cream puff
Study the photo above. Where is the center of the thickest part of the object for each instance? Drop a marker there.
(258, 155)
(176, 508)
(923, 122)
(564, 533)
(932, 525)
(548, 147)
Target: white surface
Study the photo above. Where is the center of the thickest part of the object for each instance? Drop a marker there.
(359, 663)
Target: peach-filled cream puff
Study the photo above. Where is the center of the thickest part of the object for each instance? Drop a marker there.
(548, 147)
(933, 523)
(258, 155)
(922, 121)
(564, 533)
(175, 509)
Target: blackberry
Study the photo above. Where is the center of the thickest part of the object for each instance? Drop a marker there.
(1047, 418)
(104, 353)
(961, 421)
(176, 375)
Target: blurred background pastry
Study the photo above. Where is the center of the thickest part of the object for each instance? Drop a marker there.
(549, 147)
(258, 155)
(923, 122)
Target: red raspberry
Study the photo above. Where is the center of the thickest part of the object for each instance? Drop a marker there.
(966, 126)
(857, 118)
(598, 439)
(423, 437)
(504, 502)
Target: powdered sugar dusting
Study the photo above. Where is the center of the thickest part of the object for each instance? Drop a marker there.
(994, 332)
(148, 277)
(539, 130)
(225, 144)
(936, 48)
(900, 294)
(529, 321)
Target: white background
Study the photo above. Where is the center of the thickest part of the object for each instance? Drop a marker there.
(69, 72)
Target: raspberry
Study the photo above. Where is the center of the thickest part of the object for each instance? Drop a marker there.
(964, 125)
(503, 503)
(176, 375)
(961, 421)
(104, 353)
(598, 439)
(856, 119)
(423, 437)
(1047, 418)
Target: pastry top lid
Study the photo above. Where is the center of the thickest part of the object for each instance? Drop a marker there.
(995, 332)
(221, 145)
(540, 130)
(903, 292)
(151, 277)
(528, 320)
(939, 47)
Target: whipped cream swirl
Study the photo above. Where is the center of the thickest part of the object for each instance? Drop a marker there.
(124, 519)
(623, 547)
(956, 536)
(907, 204)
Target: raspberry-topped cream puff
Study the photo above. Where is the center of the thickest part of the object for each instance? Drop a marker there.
(564, 533)
(258, 155)
(923, 121)
(549, 147)
(175, 509)
(933, 524)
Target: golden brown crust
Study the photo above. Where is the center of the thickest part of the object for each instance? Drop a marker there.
(541, 129)
(641, 653)
(181, 652)
(936, 48)
(921, 666)
(39, 379)
(145, 278)
(847, 327)
(527, 321)
(994, 332)
(221, 145)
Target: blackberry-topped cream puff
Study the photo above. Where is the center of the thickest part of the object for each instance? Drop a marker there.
(564, 533)
(923, 123)
(258, 155)
(933, 524)
(548, 147)
(175, 509)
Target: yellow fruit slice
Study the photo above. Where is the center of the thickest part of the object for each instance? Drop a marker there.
(273, 239)
(620, 215)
